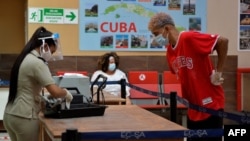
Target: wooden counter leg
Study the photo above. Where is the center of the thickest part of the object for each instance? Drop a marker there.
(41, 132)
(43, 135)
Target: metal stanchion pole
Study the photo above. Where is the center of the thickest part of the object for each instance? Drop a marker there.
(123, 90)
(173, 106)
(71, 135)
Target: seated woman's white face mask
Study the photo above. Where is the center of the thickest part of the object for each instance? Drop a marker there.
(112, 65)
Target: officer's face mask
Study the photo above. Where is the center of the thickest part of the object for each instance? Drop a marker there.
(159, 39)
(46, 55)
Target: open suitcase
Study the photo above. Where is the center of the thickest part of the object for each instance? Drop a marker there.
(78, 108)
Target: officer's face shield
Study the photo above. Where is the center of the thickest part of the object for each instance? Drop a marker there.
(57, 54)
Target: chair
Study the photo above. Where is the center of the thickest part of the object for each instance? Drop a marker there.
(170, 78)
(170, 83)
(148, 80)
(60, 73)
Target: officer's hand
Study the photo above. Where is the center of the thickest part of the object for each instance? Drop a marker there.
(68, 98)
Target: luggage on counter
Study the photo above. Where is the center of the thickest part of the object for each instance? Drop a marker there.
(56, 108)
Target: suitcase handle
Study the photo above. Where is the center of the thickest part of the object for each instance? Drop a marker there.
(73, 88)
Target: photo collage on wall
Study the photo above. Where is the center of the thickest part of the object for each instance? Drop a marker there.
(121, 25)
(244, 22)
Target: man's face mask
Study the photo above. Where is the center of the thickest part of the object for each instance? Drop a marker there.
(159, 39)
(57, 55)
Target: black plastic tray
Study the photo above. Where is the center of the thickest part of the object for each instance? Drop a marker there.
(76, 110)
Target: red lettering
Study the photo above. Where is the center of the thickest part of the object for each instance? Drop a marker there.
(132, 27)
(111, 29)
(118, 27)
(102, 26)
(123, 27)
(144, 0)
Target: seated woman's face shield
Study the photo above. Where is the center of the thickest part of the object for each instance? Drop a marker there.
(57, 55)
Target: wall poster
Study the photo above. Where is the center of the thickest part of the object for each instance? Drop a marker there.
(121, 25)
(244, 22)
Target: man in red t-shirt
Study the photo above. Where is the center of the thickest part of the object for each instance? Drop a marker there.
(188, 57)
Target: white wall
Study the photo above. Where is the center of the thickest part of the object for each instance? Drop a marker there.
(223, 18)
(4, 93)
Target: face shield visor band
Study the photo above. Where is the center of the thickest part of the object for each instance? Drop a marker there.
(54, 36)
(57, 55)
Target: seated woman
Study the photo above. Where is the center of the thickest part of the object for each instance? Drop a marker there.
(108, 66)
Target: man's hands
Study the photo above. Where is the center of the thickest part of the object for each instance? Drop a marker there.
(216, 78)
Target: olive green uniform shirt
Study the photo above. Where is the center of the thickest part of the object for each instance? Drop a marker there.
(33, 75)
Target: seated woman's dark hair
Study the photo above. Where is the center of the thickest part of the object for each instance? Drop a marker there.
(103, 61)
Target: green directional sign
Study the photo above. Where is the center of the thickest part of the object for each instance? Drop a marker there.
(53, 15)
(53, 12)
(72, 16)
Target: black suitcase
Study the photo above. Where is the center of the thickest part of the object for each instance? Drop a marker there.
(77, 108)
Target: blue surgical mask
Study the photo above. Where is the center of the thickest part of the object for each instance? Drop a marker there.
(161, 40)
(112, 67)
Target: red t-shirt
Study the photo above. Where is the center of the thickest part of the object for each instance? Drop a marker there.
(190, 60)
